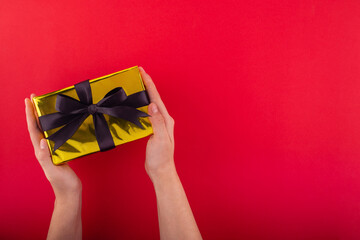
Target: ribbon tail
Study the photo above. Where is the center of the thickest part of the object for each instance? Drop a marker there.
(102, 133)
(66, 132)
(127, 113)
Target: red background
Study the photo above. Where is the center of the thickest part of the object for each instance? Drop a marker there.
(265, 95)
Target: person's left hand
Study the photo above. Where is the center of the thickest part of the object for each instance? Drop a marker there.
(62, 178)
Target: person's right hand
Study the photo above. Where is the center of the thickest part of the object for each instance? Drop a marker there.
(176, 220)
(160, 147)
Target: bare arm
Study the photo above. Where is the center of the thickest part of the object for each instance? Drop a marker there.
(176, 220)
(66, 218)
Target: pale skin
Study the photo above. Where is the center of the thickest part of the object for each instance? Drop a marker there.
(176, 220)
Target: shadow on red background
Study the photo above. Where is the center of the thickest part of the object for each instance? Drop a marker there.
(266, 98)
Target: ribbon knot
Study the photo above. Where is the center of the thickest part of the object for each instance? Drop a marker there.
(72, 113)
(92, 108)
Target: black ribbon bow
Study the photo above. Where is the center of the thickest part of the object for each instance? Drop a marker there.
(72, 113)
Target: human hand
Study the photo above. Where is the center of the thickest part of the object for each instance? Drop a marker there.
(176, 220)
(62, 178)
(160, 147)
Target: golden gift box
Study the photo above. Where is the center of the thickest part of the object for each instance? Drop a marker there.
(94, 115)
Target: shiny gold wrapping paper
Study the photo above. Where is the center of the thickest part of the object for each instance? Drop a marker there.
(84, 142)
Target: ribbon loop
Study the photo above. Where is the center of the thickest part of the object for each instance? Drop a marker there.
(83, 91)
(66, 104)
(72, 113)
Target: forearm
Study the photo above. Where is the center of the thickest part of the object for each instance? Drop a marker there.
(66, 218)
(176, 219)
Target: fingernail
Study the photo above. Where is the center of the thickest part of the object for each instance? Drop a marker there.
(142, 68)
(154, 108)
(42, 144)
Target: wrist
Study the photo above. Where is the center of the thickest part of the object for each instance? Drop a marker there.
(68, 198)
(69, 190)
(163, 175)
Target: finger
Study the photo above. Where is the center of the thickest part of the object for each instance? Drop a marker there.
(43, 155)
(35, 133)
(152, 91)
(157, 122)
(155, 97)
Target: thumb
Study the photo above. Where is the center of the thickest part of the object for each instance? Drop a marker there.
(157, 121)
(43, 155)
